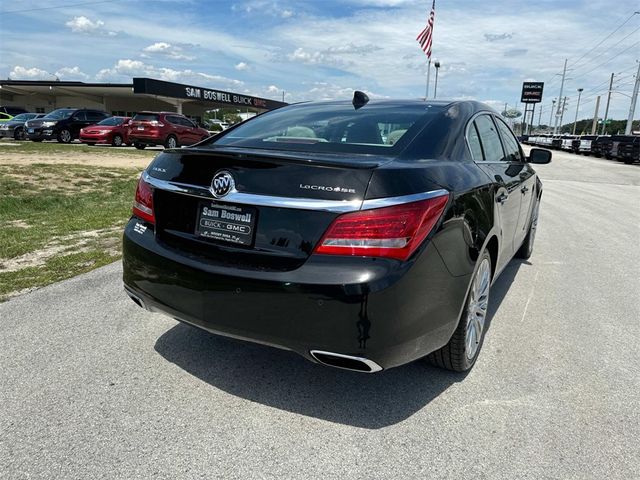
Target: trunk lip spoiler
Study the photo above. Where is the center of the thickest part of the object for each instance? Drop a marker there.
(316, 204)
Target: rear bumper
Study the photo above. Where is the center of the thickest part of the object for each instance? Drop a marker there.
(145, 139)
(381, 310)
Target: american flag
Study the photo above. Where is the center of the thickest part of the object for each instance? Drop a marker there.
(425, 39)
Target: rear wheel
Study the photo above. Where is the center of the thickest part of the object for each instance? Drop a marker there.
(464, 346)
(171, 142)
(139, 146)
(117, 140)
(64, 136)
(526, 249)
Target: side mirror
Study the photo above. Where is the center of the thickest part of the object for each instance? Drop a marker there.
(539, 156)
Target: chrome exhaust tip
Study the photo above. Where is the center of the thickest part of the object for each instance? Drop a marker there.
(345, 362)
(137, 300)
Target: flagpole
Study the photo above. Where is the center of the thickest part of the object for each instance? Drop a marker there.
(426, 94)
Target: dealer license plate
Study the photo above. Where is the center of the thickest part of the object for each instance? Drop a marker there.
(226, 223)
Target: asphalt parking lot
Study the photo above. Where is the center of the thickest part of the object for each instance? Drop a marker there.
(91, 386)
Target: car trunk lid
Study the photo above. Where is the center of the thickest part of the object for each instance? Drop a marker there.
(279, 208)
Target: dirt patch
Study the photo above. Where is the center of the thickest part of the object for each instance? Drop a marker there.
(111, 160)
(105, 239)
(17, 224)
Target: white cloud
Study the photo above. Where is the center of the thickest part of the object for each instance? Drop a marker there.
(85, 25)
(316, 58)
(286, 13)
(71, 73)
(167, 50)
(23, 73)
(125, 69)
(241, 66)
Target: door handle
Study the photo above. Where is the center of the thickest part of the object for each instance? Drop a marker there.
(502, 198)
(524, 189)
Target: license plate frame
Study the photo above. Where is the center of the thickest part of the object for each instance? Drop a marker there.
(229, 224)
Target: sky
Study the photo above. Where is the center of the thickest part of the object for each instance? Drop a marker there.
(324, 49)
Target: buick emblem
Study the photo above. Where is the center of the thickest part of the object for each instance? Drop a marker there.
(222, 184)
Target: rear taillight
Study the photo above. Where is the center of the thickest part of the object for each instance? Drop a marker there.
(143, 203)
(392, 232)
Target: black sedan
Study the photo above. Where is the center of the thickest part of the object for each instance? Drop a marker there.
(362, 235)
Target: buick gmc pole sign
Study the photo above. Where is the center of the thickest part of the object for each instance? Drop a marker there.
(531, 94)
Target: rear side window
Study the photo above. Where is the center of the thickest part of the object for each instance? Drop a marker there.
(80, 116)
(490, 140)
(474, 143)
(95, 116)
(511, 146)
(146, 117)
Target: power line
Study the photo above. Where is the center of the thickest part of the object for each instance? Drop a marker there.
(609, 48)
(608, 36)
(26, 10)
(607, 61)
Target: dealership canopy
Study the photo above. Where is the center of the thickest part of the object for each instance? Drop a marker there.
(125, 98)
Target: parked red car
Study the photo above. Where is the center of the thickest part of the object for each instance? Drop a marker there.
(164, 128)
(113, 130)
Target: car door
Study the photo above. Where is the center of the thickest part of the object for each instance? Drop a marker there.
(516, 158)
(190, 131)
(76, 122)
(507, 183)
(177, 128)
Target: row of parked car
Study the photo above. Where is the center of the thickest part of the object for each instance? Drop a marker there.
(97, 127)
(625, 148)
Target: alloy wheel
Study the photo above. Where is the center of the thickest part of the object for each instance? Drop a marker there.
(117, 141)
(477, 308)
(65, 136)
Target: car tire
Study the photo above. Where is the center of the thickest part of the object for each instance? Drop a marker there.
(139, 146)
(462, 351)
(19, 134)
(117, 140)
(526, 249)
(171, 142)
(64, 136)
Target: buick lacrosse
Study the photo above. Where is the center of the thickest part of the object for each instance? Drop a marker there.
(360, 234)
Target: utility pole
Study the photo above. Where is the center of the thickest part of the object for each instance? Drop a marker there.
(606, 110)
(564, 103)
(577, 107)
(595, 117)
(634, 99)
(564, 73)
(553, 106)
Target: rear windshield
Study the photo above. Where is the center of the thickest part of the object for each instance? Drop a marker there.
(329, 127)
(146, 117)
(23, 117)
(112, 121)
(60, 114)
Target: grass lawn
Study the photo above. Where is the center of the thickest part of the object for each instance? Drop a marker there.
(57, 221)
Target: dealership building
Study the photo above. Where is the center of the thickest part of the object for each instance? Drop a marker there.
(127, 98)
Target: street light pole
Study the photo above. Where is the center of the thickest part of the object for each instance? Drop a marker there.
(553, 106)
(634, 99)
(577, 107)
(435, 88)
